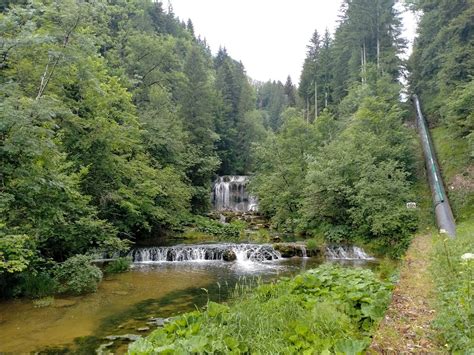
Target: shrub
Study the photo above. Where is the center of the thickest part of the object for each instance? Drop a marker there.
(118, 265)
(77, 275)
(36, 285)
(227, 232)
(312, 244)
(337, 234)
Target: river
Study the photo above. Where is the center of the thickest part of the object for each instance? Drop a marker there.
(126, 302)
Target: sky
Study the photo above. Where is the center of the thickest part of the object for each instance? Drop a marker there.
(268, 36)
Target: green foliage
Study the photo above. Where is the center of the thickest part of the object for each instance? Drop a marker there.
(119, 265)
(15, 253)
(345, 178)
(359, 183)
(77, 275)
(273, 98)
(323, 310)
(235, 98)
(366, 45)
(453, 156)
(454, 281)
(36, 285)
(114, 119)
(336, 234)
(442, 66)
(40, 195)
(224, 232)
(349, 173)
(312, 244)
(281, 164)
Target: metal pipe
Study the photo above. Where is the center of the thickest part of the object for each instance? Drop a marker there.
(443, 212)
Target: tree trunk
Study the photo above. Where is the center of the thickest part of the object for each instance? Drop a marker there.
(315, 101)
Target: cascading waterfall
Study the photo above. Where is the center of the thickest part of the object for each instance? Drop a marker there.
(304, 254)
(229, 194)
(216, 252)
(347, 253)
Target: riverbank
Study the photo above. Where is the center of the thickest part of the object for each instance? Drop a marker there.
(328, 309)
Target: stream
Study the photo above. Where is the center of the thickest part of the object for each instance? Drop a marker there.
(154, 287)
(126, 302)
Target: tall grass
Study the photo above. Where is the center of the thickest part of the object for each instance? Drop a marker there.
(454, 280)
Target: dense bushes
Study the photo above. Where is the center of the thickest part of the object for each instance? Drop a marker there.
(225, 232)
(77, 275)
(326, 309)
(113, 121)
(119, 265)
(343, 177)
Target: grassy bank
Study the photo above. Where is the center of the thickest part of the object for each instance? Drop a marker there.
(457, 169)
(328, 309)
(454, 284)
(453, 275)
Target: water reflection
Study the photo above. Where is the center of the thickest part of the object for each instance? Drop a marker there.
(125, 302)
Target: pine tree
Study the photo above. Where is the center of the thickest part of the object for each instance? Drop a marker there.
(290, 92)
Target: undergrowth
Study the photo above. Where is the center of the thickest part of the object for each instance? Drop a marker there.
(457, 167)
(203, 228)
(454, 280)
(330, 309)
(119, 265)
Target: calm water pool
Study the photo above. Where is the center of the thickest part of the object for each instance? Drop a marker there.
(125, 302)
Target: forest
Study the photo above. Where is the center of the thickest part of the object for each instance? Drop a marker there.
(116, 119)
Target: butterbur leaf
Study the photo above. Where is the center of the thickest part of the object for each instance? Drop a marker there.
(350, 347)
(214, 309)
(197, 344)
(301, 329)
(231, 343)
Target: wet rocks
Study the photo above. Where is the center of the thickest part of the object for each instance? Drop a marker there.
(159, 322)
(229, 255)
(288, 250)
(275, 239)
(103, 347)
(131, 337)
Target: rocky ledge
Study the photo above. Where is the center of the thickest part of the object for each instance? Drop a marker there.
(288, 250)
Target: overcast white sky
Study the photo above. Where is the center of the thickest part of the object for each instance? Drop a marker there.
(268, 36)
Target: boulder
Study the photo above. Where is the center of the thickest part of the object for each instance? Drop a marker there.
(229, 255)
(287, 250)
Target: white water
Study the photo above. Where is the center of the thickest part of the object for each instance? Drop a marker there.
(303, 251)
(347, 253)
(211, 252)
(229, 194)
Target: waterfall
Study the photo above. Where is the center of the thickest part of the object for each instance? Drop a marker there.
(347, 253)
(203, 252)
(229, 194)
(304, 254)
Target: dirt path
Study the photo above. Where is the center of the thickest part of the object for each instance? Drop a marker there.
(406, 326)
